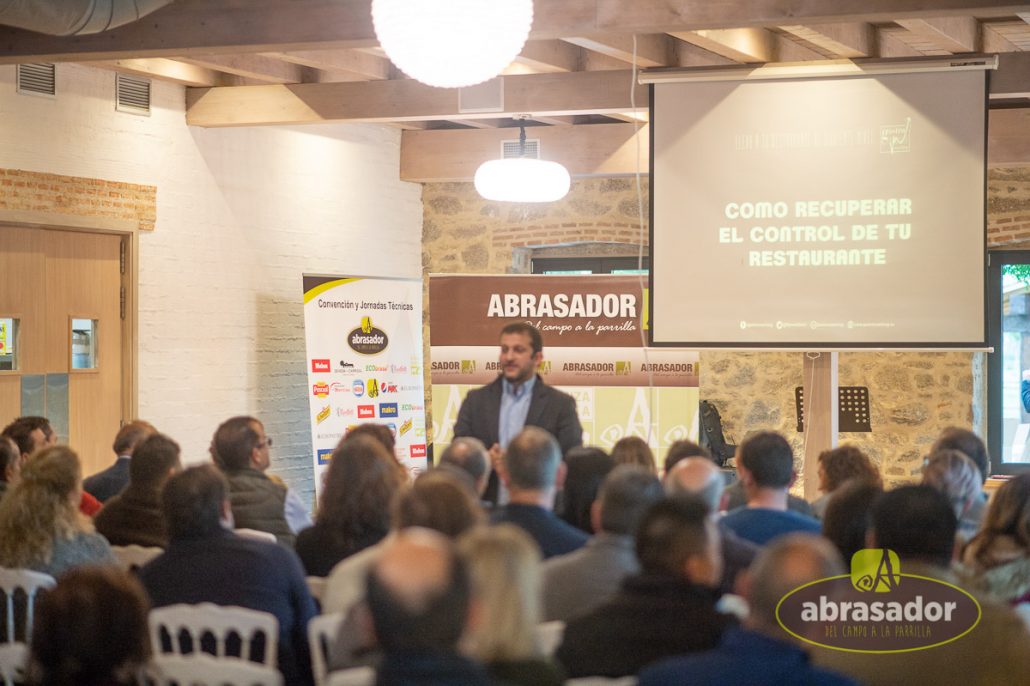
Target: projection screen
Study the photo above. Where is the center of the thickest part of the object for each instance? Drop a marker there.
(831, 212)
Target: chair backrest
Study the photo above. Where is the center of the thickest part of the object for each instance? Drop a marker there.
(255, 535)
(29, 582)
(356, 676)
(322, 632)
(316, 587)
(203, 670)
(132, 557)
(13, 658)
(219, 622)
(549, 636)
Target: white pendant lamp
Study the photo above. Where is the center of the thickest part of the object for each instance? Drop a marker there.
(522, 179)
(452, 43)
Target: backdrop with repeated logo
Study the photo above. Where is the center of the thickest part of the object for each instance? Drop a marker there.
(592, 350)
(364, 355)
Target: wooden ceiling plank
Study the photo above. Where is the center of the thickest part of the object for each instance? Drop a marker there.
(787, 49)
(747, 45)
(354, 62)
(205, 27)
(598, 92)
(891, 44)
(554, 121)
(953, 34)
(652, 50)
(550, 56)
(257, 67)
(994, 41)
(844, 40)
(595, 149)
(164, 69)
(690, 55)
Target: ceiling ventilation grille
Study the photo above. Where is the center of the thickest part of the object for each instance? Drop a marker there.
(37, 78)
(132, 94)
(510, 149)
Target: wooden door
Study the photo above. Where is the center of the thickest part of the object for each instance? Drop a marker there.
(53, 278)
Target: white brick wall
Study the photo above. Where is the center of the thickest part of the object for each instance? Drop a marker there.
(241, 215)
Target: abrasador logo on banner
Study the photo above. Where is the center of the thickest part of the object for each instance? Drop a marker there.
(878, 608)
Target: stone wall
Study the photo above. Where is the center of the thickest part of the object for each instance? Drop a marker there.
(913, 395)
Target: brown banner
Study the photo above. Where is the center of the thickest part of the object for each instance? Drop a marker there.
(570, 311)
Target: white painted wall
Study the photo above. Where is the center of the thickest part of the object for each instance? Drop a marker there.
(242, 214)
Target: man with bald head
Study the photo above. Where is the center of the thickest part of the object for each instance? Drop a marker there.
(418, 596)
(700, 477)
(760, 652)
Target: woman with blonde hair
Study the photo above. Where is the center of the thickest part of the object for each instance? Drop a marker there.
(504, 566)
(40, 524)
(998, 557)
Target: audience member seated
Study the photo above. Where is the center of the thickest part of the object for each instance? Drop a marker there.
(504, 567)
(468, 456)
(40, 527)
(585, 469)
(10, 464)
(32, 434)
(381, 433)
(242, 450)
(956, 476)
(765, 466)
(998, 557)
(437, 501)
(918, 523)
(848, 516)
(668, 609)
(700, 476)
(681, 450)
(532, 470)
(206, 563)
(108, 483)
(90, 630)
(418, 598)
(837, 466)
(134, 517)
(353, 514)
(968, 443)
(579, 581)
(761, 653)
(634, 450)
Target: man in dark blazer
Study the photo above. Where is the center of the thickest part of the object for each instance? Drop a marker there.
(110, 482)
(497, 412)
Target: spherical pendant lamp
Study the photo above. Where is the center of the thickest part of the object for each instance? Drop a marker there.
(452, 43)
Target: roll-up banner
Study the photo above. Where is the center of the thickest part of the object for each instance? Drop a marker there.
(364, 348)
(593, 350)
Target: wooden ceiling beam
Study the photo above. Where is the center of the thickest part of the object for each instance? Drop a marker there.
(747, 45)
(598, 92)
(351, 62)
(844, 40)
(258, 67)
(170, 70)
(550, 56)
(953, 34)
(594, 149)
(205, 27)
(652, 50)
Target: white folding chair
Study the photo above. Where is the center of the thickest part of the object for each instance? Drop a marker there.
(322, 634)
(203, 670)
(316, 586)
(14, 653)
(356, 676)
(549, 636)
(255, 535)
(217, 621)
(132, 557)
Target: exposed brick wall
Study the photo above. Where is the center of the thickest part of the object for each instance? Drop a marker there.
(1008, 207)
(78, 196)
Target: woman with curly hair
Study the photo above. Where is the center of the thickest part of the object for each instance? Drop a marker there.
(353, 511)
(998, 557)
(40, 524)
(839, 465)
